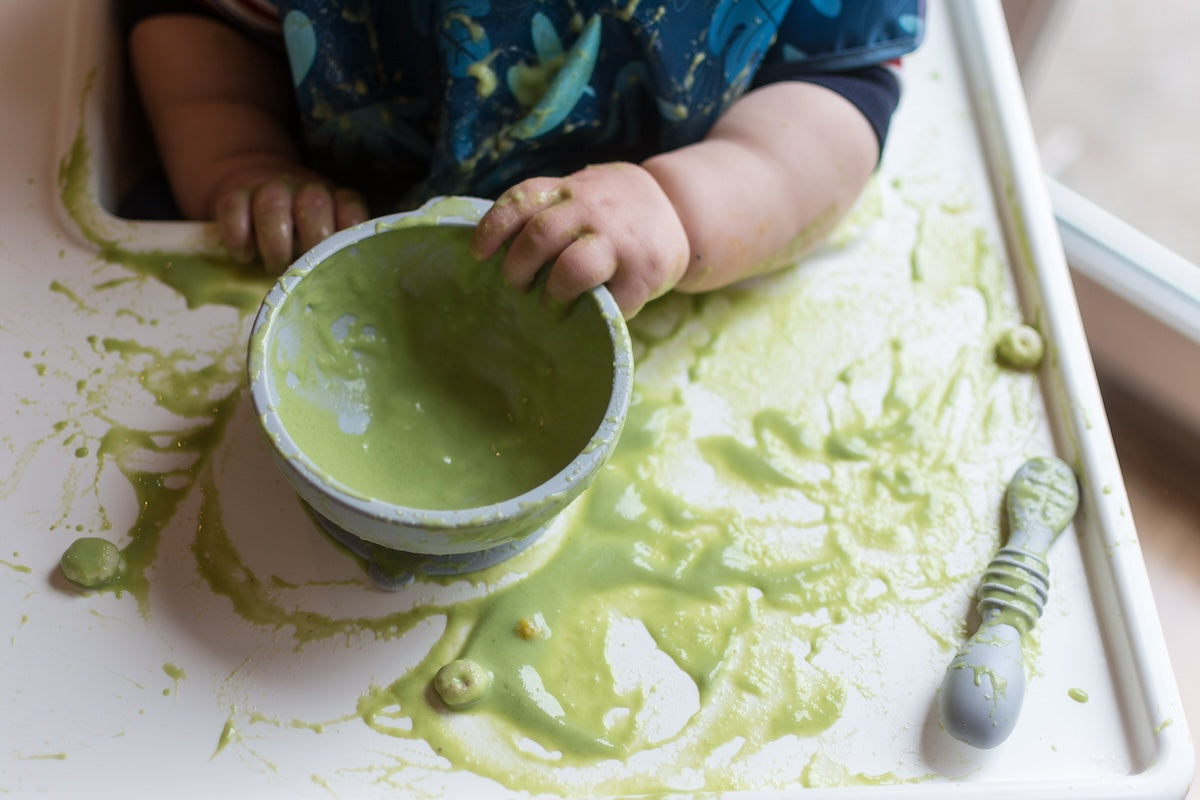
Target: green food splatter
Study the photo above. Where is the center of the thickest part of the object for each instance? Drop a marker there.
(16, 567)
(201, 279)
(694, 591)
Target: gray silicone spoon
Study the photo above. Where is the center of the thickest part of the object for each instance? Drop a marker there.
(984, 685)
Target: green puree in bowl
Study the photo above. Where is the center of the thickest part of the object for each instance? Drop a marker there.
(408, 372)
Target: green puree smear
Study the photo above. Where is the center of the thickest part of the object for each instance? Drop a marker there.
(200, 385)
(201, 279)
(789, 477)
(688, 604)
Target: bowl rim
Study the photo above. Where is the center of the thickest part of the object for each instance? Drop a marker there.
(315, 485)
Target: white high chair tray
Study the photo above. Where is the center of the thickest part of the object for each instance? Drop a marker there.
(239, 667)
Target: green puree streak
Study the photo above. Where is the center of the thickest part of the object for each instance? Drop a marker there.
(200, 385)
(199, 278)
(852, 480)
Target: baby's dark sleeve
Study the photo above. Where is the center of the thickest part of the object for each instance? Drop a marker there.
(134, 11)
(874, 90)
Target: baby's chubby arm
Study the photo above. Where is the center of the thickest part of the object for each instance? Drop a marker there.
(771, 178)
(222, 110)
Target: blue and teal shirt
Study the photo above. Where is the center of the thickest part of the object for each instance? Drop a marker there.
(407, 100)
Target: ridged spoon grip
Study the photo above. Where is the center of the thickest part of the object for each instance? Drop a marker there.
(984, 685)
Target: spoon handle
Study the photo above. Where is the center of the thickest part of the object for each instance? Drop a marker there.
(984, 685)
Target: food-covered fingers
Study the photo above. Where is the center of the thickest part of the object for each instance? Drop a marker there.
(319, 210)
(349, 208)
(313, 215)
(632, 288)
(281, 217)
(232, 213)
(634, 275)
(586, 263)
(541, 241)
(271, 211)
(606, 224)
(513, 210)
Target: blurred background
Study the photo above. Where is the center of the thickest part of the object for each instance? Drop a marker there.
(1111, 91)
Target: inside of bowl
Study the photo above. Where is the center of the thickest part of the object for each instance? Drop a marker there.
(407, 371)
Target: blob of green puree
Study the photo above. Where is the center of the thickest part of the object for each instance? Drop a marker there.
(408, 372)
(91, 562)
(462, 683)
(1020, 347)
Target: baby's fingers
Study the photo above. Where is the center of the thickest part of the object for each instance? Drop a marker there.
(271, 208)
(320, 210)
(235, 226)
(631, 290)
(349, 208)
(543, 240)
(585, 264)
(512, 211)
(313, 215)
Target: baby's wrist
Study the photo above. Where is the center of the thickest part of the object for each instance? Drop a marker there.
(657, 168)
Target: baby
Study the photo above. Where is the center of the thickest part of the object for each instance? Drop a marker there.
(647, 147)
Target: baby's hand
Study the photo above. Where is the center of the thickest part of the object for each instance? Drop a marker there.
(281, 217)
(608, 224)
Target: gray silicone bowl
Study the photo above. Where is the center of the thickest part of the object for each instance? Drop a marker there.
(406, 284)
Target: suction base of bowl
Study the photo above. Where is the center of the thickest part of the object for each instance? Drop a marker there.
(394, 569)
